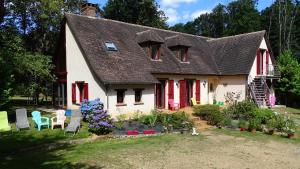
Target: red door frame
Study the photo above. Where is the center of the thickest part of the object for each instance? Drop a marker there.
(158, 87)
(182, 93)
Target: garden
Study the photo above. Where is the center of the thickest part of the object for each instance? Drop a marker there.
(245, 116)
(100, 123)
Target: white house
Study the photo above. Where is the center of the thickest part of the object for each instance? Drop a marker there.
(132, 67)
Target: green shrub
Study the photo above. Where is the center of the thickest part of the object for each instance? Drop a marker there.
(241, 110)
(216, 118)
(271, 123)
(204, 111)
(263, 114)
(254, 123)
(179, 119)
(290, 126)
(242, 124)
(280, 122)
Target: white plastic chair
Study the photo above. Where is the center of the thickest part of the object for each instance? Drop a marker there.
(59, 119)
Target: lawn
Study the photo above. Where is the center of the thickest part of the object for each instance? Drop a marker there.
(212, 149)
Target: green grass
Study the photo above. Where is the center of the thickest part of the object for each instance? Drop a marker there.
(259, 136)
(85, 155)
(32, 137)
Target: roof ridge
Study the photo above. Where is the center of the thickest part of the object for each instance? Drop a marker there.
(234, 36)
(90, 17)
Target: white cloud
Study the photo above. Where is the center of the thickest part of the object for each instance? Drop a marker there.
(175, 3)
(172, 15)
(196, 14)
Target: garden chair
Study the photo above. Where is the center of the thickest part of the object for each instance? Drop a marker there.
(74, 125)
(76, 113)
(59, 119)
(173, 106)
(21, 119)
(194, 102)
(68, 113)
(39, 120)
(4, 125)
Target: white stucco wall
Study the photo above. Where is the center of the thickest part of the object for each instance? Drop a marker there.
(129, 100)
(78, 70)
(226, 84)
(253, 71)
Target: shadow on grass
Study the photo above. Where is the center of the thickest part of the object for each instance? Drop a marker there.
(44, 158)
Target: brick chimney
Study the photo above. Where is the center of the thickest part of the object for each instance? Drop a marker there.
(89, 9)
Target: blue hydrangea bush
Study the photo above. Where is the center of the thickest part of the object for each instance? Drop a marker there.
(99, 121)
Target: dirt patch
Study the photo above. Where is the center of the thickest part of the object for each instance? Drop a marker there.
(215, 151)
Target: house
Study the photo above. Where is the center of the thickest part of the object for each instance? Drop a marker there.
(132, 67)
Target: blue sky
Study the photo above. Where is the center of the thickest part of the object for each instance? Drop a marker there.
(182, 11)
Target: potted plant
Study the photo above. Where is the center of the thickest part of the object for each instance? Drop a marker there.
(242, 125)
(271, 126)
(254, 124)
(290, 128)
(184, 129)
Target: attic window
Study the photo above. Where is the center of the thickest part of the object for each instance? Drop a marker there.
(110, 46)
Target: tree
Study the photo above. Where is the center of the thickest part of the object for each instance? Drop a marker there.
(289, 84)
(143, 12)
(185, 28)
(282, 20)
(243, 17)
(10, 49)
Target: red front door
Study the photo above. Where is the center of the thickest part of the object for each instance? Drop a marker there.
(160, 94)
(182, 85)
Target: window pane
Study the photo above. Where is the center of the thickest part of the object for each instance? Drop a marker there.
(110, 46)
(183, 54)
(154, 50)
(138, 95)
(120, 96)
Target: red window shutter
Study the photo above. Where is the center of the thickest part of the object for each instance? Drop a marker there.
(262, 65)
(182, 84)
(258, 62)
(86, 91)
(198, 90)
(267, 62)
(73, 93)
(171, 89)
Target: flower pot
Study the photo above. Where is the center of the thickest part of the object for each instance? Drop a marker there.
(271, 132)
(253, 130)
(291, 135)
(184, 131)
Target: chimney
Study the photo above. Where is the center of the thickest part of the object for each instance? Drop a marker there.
(89, 9)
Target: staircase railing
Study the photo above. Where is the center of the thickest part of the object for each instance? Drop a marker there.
(273, 70)
(266, 90)
(252, 87)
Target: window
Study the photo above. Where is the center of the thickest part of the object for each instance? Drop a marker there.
(183, 54)
(138, 95)
(155, 51)
(110, 46)
(120, 96)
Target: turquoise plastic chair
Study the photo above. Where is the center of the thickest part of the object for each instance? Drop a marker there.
(39, 120)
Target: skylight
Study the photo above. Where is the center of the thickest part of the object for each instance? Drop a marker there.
(110, 46)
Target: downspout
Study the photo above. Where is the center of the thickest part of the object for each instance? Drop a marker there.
(107, 98)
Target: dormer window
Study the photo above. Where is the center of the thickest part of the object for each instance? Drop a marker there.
(151, 42)
(180, 46)
(183, 52)
(154, 51)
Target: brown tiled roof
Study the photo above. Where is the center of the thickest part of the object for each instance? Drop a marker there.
(130, 64)
(148, 36)
(235, 54)
(177, 40)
